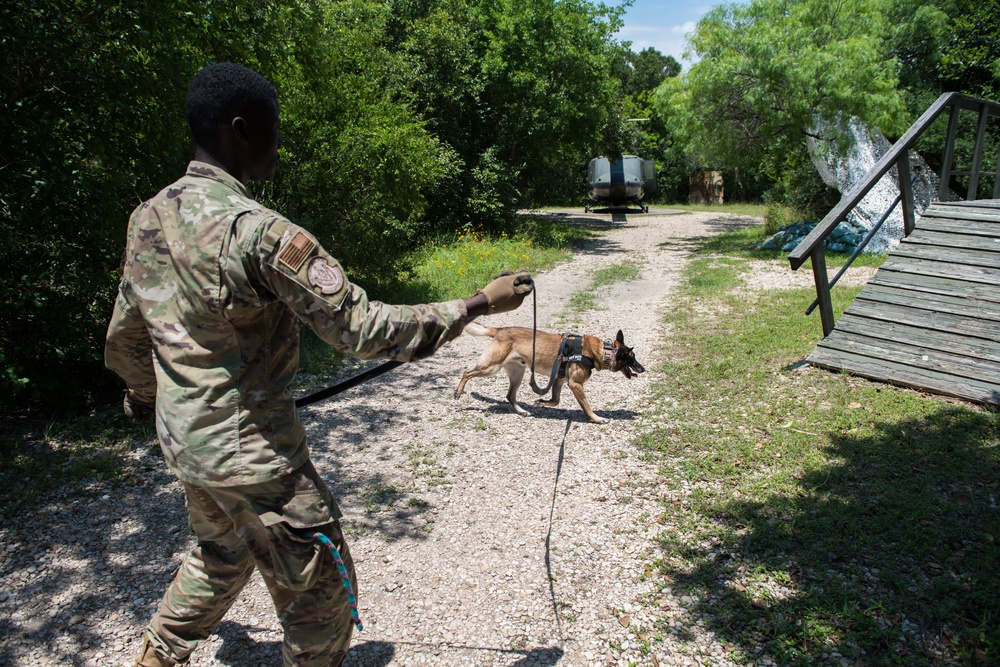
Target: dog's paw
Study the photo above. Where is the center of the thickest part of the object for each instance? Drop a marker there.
(598, 420)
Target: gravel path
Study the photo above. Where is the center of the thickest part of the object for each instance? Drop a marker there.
(480, 537)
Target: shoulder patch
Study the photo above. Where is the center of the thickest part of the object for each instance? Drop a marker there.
(327, 278)
(296, 251)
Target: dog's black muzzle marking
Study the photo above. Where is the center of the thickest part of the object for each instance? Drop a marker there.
(633, 369)
(626, 362)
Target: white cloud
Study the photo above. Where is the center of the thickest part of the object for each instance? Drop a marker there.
(670, 40)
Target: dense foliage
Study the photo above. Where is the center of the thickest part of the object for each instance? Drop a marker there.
(401, 120)
(772, 72)
(518, 90)
(406, 120)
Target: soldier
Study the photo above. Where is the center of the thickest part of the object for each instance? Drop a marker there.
(205, 335)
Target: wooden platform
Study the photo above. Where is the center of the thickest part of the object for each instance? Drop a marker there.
(930, 317)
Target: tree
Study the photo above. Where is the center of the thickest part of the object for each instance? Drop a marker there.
(90, 98)
(637, 128)
(400, 120)
(967, 60)
(92, 123)
(517, 88)
(648, 69)
(971, 59)
(359, 162)
(773, 71)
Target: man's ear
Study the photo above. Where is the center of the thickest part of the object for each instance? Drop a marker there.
(239, 126)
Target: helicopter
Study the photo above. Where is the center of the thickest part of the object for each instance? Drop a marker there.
(623, 181)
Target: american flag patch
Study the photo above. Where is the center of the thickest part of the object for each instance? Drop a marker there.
(296, 252)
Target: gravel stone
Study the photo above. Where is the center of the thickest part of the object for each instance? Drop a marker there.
(480, 537)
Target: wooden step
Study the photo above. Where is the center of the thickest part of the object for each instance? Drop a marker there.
(930, 316)
(919, 282)
(950, 240)
(906, 376)
(918, 356)
(940, 303)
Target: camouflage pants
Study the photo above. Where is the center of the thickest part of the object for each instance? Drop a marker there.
(262, 525)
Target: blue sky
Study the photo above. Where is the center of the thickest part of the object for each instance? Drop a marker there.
(662, 24)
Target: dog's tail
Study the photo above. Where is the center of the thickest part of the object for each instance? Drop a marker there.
(477, 329)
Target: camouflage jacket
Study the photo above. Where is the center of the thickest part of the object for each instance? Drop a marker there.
(206, 324)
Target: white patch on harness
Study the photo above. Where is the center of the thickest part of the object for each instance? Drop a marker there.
(324, 277)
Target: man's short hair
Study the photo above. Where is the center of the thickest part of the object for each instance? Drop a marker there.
(220, 92)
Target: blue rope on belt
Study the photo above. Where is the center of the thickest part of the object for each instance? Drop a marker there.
(351, 600)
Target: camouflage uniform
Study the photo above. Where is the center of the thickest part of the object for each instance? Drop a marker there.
(206, 325)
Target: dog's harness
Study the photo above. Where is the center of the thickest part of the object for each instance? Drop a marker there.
(573, 351)
(570, 350)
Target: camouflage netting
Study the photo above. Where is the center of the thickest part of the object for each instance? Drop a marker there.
(843, 173)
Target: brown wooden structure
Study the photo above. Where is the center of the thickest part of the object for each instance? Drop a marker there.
(930, 317)
(707, 187)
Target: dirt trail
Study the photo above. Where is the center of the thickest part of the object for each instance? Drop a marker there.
(514, 540)
(480, 537)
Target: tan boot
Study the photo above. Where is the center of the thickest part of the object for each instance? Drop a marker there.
(150, 658)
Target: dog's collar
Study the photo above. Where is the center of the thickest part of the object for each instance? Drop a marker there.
(609, 354)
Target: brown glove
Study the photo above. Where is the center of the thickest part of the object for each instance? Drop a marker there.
(507, 291)
(138, 413)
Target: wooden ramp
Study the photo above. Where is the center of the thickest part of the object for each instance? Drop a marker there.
(930, 317)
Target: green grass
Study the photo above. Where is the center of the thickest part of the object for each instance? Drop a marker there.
(739, 244)
(585, 299)
(808, 512)
(581, 302)
(423, 464)
(616, 273)
(69, 453)
(752, 210)
(380, 496)
(455, 268)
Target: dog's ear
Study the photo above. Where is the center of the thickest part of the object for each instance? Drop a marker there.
(620, 339)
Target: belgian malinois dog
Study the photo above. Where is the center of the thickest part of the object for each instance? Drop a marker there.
(511, 351)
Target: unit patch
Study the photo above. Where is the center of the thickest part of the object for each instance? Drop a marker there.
(324, 277)
(296, 252)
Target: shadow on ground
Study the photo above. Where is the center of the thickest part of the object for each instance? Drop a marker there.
(378, 654)
(890, 556)
(566, 409)
(240, 649)
(731, 223)
(90, 557)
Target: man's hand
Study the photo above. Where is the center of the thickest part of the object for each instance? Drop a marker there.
(507, 291)
(138, 413)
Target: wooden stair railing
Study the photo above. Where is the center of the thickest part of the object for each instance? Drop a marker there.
(812, 246)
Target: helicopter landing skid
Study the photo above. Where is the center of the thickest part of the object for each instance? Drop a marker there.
(615, 209)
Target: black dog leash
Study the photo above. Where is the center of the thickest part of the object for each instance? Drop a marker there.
(534, 332)
(381, 369)
(360, 378)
